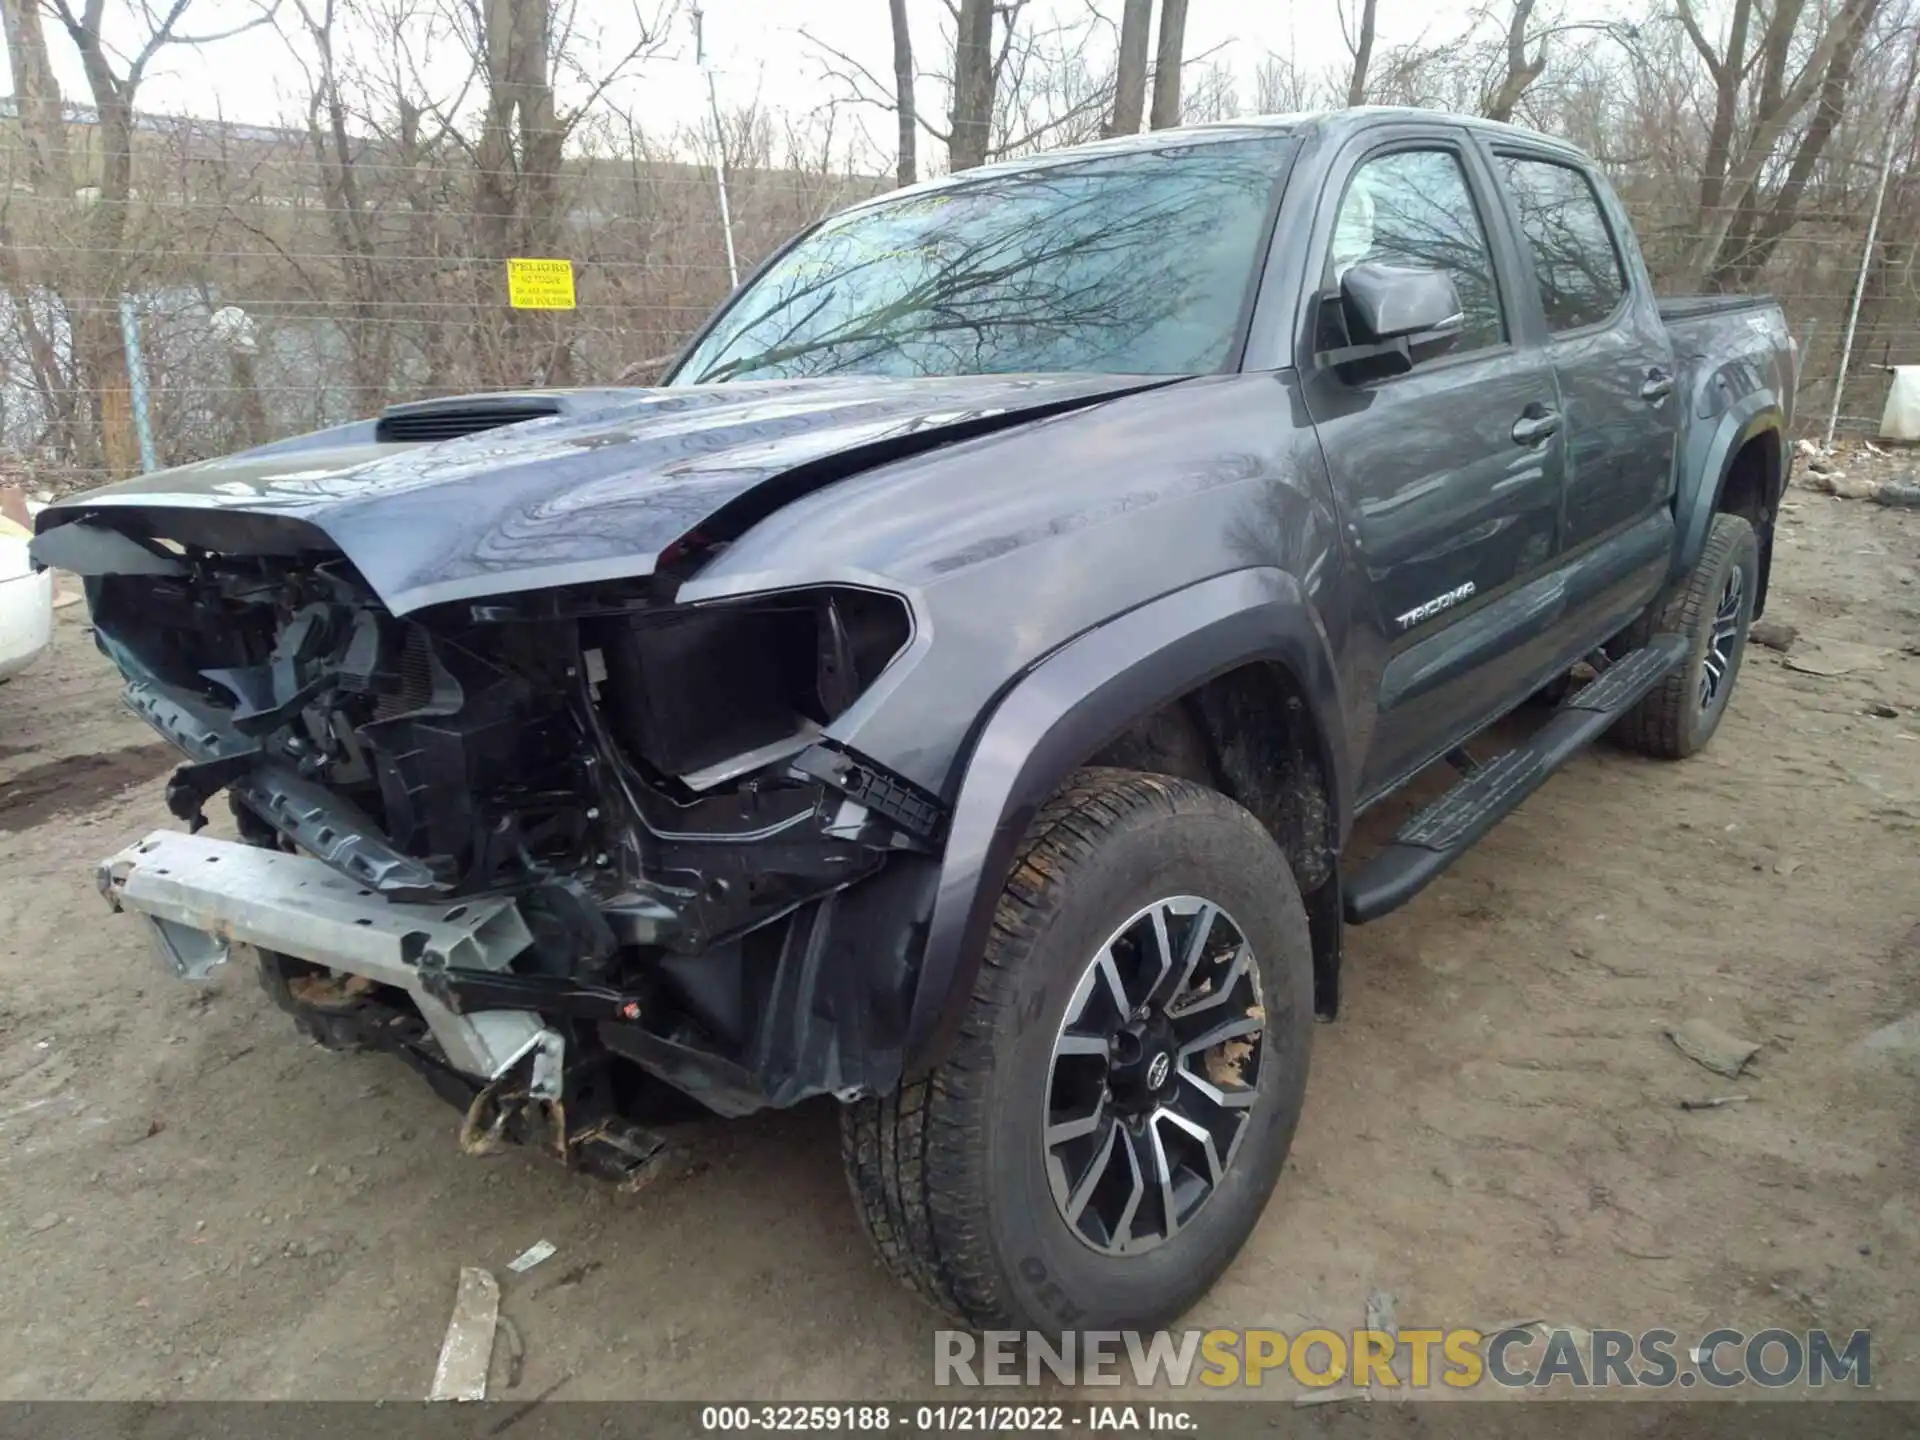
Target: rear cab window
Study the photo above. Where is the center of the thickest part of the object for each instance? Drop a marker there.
(1576, 260)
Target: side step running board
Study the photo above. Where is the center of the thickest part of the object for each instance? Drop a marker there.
(1444, 831)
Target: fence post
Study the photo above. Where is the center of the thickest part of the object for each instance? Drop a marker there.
(1860, 287)
(720, 173)
(137, 383)
(719, 144)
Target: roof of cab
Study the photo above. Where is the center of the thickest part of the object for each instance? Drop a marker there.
(1324, 124)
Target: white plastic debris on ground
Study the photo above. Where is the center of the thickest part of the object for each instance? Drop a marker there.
(467, 1353)
(1901, 420)
(532, 1256)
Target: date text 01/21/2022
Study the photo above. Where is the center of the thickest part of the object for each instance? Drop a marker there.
(935, 1419)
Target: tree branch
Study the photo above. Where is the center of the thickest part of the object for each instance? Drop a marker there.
(1692, 26)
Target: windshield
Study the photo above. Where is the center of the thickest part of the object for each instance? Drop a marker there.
(1130, 264)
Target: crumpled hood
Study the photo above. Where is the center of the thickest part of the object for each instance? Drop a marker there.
(598, 493)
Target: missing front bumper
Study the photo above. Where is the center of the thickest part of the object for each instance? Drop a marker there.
(202, 896)
(816, 1006)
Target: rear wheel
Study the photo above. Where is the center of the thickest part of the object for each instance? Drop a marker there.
(1713, 609)
(1127, 1079)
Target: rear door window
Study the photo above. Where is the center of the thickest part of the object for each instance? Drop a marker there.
(1575, 260)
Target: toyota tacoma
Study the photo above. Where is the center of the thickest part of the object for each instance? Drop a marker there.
(951, 690)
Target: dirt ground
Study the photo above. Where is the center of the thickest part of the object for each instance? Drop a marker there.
(194, 1202)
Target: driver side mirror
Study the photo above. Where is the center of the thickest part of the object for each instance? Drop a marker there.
(1396, 315)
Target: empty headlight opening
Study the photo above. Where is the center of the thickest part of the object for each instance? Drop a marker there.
(685, 691)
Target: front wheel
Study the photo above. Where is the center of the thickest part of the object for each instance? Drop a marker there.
(1713, 609)
(1128, 1075)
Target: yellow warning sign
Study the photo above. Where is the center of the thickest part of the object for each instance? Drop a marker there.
(540, 284)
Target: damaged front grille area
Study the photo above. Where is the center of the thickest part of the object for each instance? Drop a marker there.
(413, 687)
(697, 866)
(331, 718)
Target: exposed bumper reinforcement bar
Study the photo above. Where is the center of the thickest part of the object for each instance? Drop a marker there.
(201, 896)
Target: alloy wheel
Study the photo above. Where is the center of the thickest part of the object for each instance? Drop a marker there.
(1723, 643)
(1154, 1075)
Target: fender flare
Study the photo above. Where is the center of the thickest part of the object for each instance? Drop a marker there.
(1069, 705)
(1751, 415)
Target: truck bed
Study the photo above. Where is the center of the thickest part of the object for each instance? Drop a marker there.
(1694, 307)
(1710, 332)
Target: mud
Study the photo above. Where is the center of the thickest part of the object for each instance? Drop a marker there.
(77, 783)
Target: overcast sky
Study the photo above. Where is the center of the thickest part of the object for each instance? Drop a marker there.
(756, 47)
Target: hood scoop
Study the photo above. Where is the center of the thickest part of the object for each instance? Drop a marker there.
(424, 421)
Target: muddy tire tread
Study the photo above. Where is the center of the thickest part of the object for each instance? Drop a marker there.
(907, 1154)
(1660, 725)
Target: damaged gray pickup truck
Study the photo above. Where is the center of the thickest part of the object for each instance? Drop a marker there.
(952, 690)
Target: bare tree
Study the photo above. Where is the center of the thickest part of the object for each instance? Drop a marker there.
(1360, 46)
(1759, 222)
(1130, 73)
(855, 84)
(1045, 93)
(521, 47)
(1210, 96)
(521, 138)
(1521, 70)
(43, 131)
(1280, 86)
(905, 163)
(1166, 64)
(1013, 86)
(356, 251)
(1728, 71)
(971, 120)
(1729, 178)
(99, 353)
(351, 221)
(42, 123)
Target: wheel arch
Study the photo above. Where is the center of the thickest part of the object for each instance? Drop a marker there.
(1742, 470)
(1248, 733)
(1185, 680)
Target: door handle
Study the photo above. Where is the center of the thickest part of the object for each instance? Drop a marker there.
(1659, 385)
(1532, 428)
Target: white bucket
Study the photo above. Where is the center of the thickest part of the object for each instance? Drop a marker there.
(1901, 421)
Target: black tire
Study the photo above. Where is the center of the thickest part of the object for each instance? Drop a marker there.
(1672, 721)
(950, 1175)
